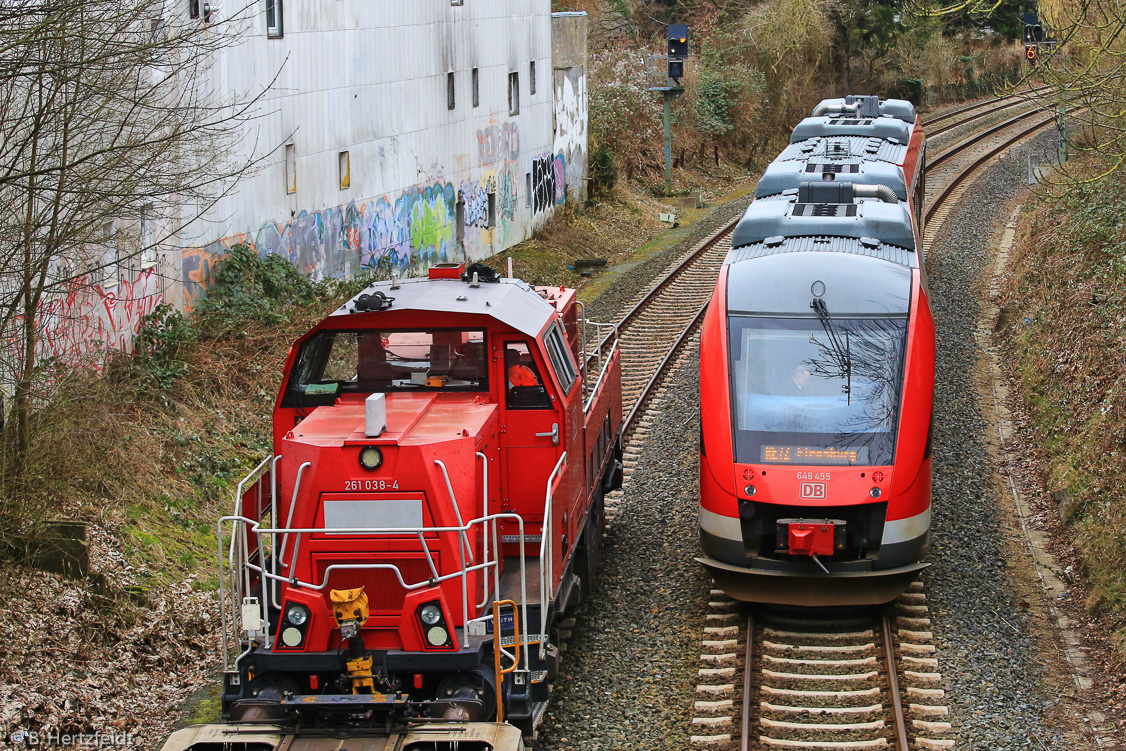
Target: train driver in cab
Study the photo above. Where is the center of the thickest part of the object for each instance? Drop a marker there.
(518, 373)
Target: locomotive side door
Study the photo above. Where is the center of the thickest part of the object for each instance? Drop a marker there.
(532, 431)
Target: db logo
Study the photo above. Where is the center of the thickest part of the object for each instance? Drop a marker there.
(813, 490)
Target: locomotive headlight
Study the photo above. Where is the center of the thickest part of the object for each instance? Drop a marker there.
(750, 490)
(291, 637)
(437, 636)
(430, 615)
(875, 492)
(371, 457)
(297, 615)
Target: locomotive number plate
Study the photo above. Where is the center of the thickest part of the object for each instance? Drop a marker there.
(388, 483)
(813, 476)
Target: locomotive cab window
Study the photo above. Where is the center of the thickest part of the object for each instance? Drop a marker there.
(523, 385)
(560, 356)
(816, 392)
(337, 363)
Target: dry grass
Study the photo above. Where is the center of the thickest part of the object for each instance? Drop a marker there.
(1066, 297)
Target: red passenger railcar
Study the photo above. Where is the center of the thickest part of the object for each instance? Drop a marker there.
(433, 503)
(817, 371)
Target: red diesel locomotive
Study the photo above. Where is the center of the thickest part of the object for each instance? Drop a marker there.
(433, 503)
(817, 359)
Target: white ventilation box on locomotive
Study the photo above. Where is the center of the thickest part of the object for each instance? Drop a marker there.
(375, 415)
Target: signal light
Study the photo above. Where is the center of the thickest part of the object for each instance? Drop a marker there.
(678, 42)
(877, 476)
(748, 474)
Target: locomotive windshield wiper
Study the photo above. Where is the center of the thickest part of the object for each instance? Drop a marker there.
(841, 352)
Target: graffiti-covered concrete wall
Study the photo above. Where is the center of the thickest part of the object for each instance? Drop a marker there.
(568, 62)
(402, 134)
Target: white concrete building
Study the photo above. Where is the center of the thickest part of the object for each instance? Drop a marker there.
(399, 134)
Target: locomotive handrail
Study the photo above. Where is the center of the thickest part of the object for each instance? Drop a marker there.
(547, 564)
(274, 522)
(457, 511)
(292, 506)
(484, 537)
(601, 376)
(254, 526)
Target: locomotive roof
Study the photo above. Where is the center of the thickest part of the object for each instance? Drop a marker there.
(870, 106)
(782, 283)
(823, 244)
(509, 301)
(884, 127)
(775, 218)
(845, 147)
(784, 174)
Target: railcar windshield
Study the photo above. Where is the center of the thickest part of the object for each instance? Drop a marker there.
(816, 391)
(335, 363)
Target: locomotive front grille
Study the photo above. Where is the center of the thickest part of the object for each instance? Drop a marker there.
(385, 594)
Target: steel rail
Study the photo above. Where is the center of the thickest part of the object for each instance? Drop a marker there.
(977, 116)
(978, 137)
(646, 392)
(745, 720)
(980, 105)
(900, 729)
(963, 174)
(670, 277)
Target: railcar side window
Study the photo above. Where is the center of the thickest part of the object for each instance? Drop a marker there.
(336, 363)
(523, 384)
(560, 357)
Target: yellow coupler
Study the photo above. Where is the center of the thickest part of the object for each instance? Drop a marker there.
(350, 609)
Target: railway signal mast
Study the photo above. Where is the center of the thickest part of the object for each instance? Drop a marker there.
(664, 74)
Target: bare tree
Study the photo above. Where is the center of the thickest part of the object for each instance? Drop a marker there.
(113, 137)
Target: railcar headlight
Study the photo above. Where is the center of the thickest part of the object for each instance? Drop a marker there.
(750, 490)
(431, 614)
(437, 636)
(297, 615)
(875, 492)
(371, 457)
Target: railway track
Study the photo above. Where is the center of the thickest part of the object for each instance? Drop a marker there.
(979, 110)
(855, 678)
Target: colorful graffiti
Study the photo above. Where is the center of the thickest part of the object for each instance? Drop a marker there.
(507, 196)
(498, 143)
(408, 234)
(559, 165)
(87, 321)
(476, 200)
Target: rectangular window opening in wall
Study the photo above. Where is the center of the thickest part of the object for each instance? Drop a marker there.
(274, 25)
(492, 210)
(290, 168)
(528, 190)
(108, 261)
(193, 8)
(345, 171)
(476, 88)
(147, 231)
(514, 93)
(532, 78)
(457, 2)
(451, 98)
